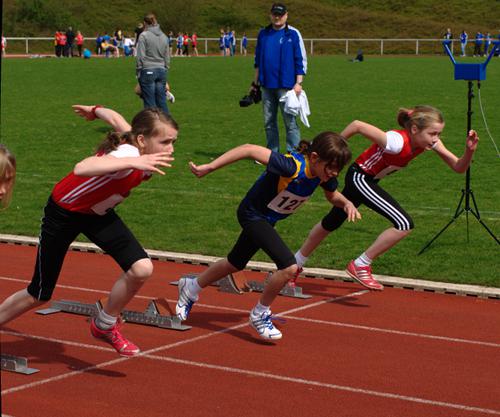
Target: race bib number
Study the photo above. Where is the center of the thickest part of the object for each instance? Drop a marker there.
(286, 202)
(104, 206)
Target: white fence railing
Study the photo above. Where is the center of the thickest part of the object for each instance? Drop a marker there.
(39, 45)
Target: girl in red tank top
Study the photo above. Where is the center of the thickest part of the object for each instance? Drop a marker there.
(390, 151)
(83, 202)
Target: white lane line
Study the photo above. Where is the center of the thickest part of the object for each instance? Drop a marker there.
(141, 297)
(54, 340)
(307, 306)
(398, 332)
(240, 371)
(336, 387)
(150, 351)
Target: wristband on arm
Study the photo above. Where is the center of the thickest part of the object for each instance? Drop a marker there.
(92, 112)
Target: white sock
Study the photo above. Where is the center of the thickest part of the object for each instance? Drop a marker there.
(194, 289)
(363, 260)
(104, 321)
(301, 259)
(259, 309)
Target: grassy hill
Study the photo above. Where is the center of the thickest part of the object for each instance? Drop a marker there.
(315, 18)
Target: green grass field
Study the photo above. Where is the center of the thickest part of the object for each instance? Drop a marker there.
(179, 212)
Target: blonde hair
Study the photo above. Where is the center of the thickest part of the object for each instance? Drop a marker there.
(7, 168)
(420, 116)
(145, 123)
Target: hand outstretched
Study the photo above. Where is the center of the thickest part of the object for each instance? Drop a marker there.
(150, 162)
(200, 170)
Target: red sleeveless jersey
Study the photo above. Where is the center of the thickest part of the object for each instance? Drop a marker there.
(378, 163)
(98, 194)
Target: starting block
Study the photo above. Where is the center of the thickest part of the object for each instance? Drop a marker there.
(227, 284)
(16, 364)
(156, 313)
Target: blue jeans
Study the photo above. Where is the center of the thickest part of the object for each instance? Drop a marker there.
(270, 104)
(152, 82)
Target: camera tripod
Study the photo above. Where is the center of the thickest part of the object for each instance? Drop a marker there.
(469, 72)
(464, 205)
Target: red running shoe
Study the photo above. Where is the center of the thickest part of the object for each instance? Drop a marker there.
(363, 275)
(114, 337)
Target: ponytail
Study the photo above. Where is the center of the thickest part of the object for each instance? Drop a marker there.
(147, 123)
(115, 139)
(420, 116)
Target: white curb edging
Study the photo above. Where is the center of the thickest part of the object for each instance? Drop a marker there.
(397, 282)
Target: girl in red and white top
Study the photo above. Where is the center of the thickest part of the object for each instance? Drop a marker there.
(79, 42)
(390, 151)
(83, 202)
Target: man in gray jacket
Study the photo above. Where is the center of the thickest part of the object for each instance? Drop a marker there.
(152, 63)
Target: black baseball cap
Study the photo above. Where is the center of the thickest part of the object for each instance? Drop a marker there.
(278, 9)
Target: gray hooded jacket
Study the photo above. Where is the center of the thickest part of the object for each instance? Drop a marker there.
(152, 49)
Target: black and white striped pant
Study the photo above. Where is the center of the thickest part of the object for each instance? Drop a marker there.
(362, 188)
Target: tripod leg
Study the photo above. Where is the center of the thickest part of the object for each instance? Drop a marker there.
(455, 217)
(475, 212)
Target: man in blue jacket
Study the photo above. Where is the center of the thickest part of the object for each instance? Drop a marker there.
(280, 66)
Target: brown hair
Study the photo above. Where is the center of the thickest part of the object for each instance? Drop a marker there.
(146, 123)
(7, 167)
(420, 116)
(150, 19)
(330, 147)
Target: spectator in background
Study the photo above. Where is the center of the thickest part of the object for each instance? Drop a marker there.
(170, 38)
(244, 44)
(221, 42)
(478, 42)
(70, 40)
(463, 41)
(152, 64)
(109, 49)
(185, 44)
(178, 44)
(487, 43)
(4, 45)
(138, 30)
(79, 42)
(128, 46)
(98, 43)
(359, 56)
(119, 38)
(227, 42)
(232, 39)
(448, 37)
(194, 43)
(60, 43)
(280, 65)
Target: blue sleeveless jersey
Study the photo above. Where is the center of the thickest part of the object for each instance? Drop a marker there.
(285, 185)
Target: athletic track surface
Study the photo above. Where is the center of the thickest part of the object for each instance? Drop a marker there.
(345, 352)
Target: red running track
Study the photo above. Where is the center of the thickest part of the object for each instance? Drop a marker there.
(345, 352)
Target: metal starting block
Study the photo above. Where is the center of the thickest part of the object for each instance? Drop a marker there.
(16, 364)
(227, 284)
(156, 313)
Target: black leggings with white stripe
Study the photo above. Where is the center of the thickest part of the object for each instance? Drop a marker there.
(362, 188)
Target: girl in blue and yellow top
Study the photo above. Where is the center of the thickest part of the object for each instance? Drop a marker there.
(288, 181)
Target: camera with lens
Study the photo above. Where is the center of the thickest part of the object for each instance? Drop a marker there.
(254, 96)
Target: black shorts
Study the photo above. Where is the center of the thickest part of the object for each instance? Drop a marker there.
(260, 235)
(59, 229)
(362, 188)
